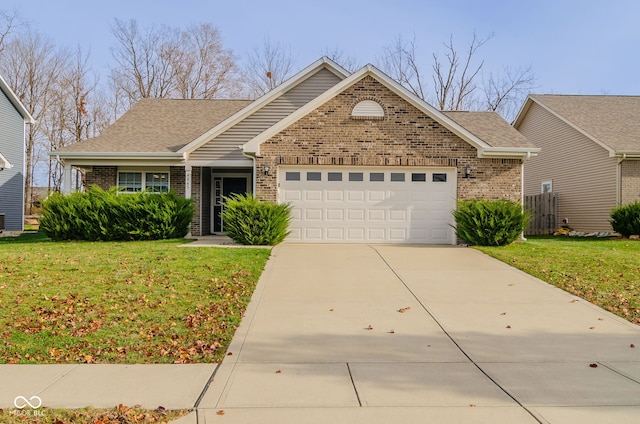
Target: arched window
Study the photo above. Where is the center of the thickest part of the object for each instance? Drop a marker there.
(367, 109)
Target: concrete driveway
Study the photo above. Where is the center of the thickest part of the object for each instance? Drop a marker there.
(414, 334)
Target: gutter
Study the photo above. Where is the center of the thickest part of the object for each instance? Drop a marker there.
(254, 171)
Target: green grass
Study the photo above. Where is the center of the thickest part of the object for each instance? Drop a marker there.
(116, 415)
(121, 302)
(605, 272)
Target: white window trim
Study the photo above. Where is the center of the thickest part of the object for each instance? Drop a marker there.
(544, 183)
(143, 172)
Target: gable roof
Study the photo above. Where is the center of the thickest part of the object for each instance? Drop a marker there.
(611, 121)
(504, 146)
(491, 128)
(4, 87)
(159, 126)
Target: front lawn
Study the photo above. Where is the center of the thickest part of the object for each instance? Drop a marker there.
(121, 302)
(604, 272)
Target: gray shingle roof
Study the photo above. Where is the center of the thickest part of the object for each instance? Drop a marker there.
(159, 126)
(612, 120)
(490, 128)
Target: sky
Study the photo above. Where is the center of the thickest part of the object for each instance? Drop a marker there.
(572, 46)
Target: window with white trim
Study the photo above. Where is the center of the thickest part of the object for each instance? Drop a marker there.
(138, 181)
(546, 187)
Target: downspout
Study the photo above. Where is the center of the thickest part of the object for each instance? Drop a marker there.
(253, 171)
(619, 179)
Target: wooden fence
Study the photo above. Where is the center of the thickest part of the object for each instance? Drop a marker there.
(544, 211)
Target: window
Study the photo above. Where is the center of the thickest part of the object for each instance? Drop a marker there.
(157, 182)
(397, 176)
(439, 178)
(356, 176)
(368, 109)
(314, 176)
(136, 182)
(546, 187)
(419, 177)
(292, 176)
(335, 176)
(376, 176)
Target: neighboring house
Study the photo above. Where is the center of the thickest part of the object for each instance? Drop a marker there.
(359, 157)
(13, 118)
(590, 154)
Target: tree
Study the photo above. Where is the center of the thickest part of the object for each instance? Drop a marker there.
(8, 23)
(337, 55)
(268, 66)
(458, 81)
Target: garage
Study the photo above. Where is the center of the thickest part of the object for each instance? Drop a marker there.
(369, 204)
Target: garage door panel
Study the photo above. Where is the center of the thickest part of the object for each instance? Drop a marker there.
(370, 204)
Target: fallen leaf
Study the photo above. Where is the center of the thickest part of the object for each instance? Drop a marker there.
(403, 310)
(473, 405)
(508, 326)
(230, 353)
(593, 365)
(504, 313)
(632, 345)
(279, 372)
(369, 327)
(392, 331)
(600, 319)
(574, 301)
(220, 412)
(592, 328)
(331, 310)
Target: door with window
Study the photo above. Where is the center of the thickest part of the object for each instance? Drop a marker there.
(224, 186)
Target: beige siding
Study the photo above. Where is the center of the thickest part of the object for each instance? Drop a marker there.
(630, 181)
(582, 173)
(225, 146)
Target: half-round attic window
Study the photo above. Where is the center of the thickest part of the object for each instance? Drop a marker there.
(367, 109)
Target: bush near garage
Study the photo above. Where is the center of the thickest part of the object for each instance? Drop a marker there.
(625, 219)
(489, 222)
(99, 215)
(249, 221)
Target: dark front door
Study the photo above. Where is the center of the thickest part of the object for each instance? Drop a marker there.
(225, 187)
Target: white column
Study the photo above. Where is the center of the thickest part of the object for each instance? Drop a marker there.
(66, 179)
(187, 181)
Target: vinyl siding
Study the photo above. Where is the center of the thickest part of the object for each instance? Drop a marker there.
(225, 146)
(12, 180)
(582, 173)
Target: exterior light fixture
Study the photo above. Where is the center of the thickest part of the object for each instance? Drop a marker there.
(266, 169)
(467, 171)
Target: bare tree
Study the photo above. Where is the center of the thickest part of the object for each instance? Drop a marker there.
(268, 66)
(32, 65)
(8, 23)
(337, 55)
(457, 77)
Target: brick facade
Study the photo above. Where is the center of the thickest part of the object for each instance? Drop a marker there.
(404, 137)
(630, 181)
(104, 177)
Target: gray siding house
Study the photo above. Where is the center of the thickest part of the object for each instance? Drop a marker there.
(13, 118)
(359, 158)
(590, 154)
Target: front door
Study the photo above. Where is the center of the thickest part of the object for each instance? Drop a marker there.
(225, 186)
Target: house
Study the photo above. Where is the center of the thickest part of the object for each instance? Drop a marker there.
(13, 118)
(590, 154)
(359, 157)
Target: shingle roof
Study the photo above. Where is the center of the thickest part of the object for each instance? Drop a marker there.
(490, 128)
(160, 125)
(612, 120)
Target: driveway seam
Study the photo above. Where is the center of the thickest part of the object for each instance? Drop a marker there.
(353, 383)
(449, 336)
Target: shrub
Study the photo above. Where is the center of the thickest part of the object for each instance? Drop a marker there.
(489, 222)
(625, 219)
(247, 220)
(98, 215)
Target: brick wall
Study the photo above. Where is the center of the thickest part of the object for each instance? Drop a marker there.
(630, 181)
(196, 180)
(104, 177)
(404, 137)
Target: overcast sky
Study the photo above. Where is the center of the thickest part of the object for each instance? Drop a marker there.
(573, 46)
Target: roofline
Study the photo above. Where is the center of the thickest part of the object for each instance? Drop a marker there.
(116, 155)
(4, 163)
(28, 119)
(253, 145)
(530, 100)
(323, 62)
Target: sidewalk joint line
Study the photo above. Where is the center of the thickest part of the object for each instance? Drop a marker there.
(353, 383)
(449, 335)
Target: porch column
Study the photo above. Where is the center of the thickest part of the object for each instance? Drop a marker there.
(66, 179)
(187, 181)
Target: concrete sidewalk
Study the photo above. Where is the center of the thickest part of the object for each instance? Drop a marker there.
(377, 334)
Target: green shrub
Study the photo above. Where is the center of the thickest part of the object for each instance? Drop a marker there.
(625, 219)
(249, 221)
(99, 215)
(489, 222)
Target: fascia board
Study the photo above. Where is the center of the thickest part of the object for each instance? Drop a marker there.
(28, 119)
(508, 152)
(253, 145)
(265, 99)
(117, 155)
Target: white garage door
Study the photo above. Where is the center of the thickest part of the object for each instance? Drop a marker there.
(377, 205)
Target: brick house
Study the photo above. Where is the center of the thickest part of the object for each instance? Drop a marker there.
(359, 157)
(590, 154)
